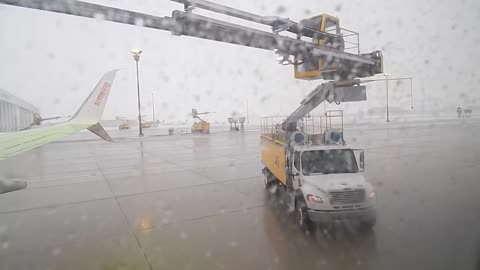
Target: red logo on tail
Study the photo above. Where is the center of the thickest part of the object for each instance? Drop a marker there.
(103, 92)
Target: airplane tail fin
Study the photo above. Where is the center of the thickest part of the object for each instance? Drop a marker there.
(92, 108)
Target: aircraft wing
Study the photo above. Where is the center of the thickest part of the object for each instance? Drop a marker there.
(86, 117)
(18, 142)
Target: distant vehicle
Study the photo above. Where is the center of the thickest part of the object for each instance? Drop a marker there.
(146, 124)
(201, 126)
(464, 113)
(318, 176)
(124, 125)
(86, 117)
(467, 112)
(233, 123)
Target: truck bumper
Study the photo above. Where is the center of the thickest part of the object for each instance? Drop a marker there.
(367, 215)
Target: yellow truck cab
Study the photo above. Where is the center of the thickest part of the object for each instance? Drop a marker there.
(318, 175)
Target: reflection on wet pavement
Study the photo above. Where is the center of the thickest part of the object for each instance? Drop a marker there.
(198, 202)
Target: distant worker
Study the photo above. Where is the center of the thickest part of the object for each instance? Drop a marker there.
(459, 112)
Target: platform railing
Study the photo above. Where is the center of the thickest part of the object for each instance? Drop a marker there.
(312, 125)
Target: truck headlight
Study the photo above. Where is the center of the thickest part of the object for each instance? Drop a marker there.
(371, 195)
(314, 198)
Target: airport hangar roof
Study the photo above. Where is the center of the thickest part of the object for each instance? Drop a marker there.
(10, 98)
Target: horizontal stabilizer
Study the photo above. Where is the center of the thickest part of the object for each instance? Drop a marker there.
(9, 185)
(100, 132)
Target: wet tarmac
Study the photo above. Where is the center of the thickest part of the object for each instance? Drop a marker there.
(198, 202)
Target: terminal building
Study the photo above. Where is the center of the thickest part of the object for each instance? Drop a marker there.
(15, 113)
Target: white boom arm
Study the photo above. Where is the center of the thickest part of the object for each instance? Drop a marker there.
(194, 25)
(337, 92)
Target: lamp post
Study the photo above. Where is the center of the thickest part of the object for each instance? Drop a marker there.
(411, 92)
(248, 122)
(153, 108)
(136, 56)
(386, 85)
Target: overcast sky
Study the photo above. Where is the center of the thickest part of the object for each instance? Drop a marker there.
(53, 60)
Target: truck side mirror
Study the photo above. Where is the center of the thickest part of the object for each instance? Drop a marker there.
(362, 161)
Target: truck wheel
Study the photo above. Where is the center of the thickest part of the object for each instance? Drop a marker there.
(266, 180)
(301, 215)
(367, 226)
(269, 181)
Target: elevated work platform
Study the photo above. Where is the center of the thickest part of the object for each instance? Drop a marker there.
(313, 126)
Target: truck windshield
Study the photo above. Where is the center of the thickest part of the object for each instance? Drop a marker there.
(329, 161)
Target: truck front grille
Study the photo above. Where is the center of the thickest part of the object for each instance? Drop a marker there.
(347, 196)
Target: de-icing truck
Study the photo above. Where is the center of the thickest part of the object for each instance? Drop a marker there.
(309, 166)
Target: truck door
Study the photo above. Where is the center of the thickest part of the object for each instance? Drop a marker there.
(296, 171)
